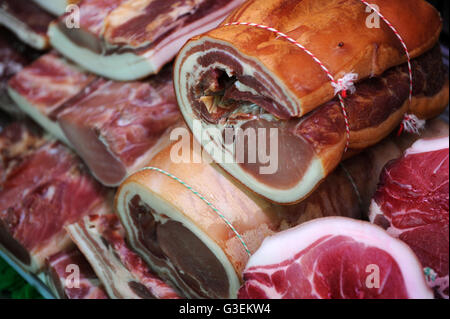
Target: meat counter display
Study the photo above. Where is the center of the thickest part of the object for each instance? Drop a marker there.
(210, 149)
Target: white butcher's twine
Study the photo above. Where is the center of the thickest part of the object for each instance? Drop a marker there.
(229, 224)
(341, 86)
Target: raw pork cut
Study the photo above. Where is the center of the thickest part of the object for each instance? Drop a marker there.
(85, 283)
(334, 258)
(115, 127)
(187, 243)
(43, 187)
(14, 56)
(412, 204)
(27, 20)
(124, 274)
(245, 78)
(128, 40)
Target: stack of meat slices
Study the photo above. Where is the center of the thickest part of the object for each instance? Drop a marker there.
(188, 240)
(14, 56)
(116, 127)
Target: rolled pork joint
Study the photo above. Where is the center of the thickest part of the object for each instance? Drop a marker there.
(41, 89)
(56, 7)
(118, 127)
(115, 127)
(124, 274)
(43, 187)
(27, 20)
(14, 56)
(334, 258)
(412, 204)
(239, 79)
(61, 270)
(125, 40)
(187, 243)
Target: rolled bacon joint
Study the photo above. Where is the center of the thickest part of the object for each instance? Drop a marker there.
(412, 204)
(43, 187)
(125, 40)
(70, 276)
(56, 7)
(334, 258)
(124, 274)
(115, 127)
(27, 20)
(238, 78)
(188, 244)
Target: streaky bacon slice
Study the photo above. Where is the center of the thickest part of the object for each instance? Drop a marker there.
(43, 187)
(27, 20)
(123, 272)
(56, 7)
(412, 204)
(334, 258)
(218, 101)
(115, 127)
(128, 40)
(61, 269)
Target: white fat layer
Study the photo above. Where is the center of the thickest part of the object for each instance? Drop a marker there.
(162, 207)
(107, 267)
(285, 245)
(56, 7)
(186, 76)
(22, 31)
(35, 114)
(428, 145)
(121, 67)
(51, 284)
